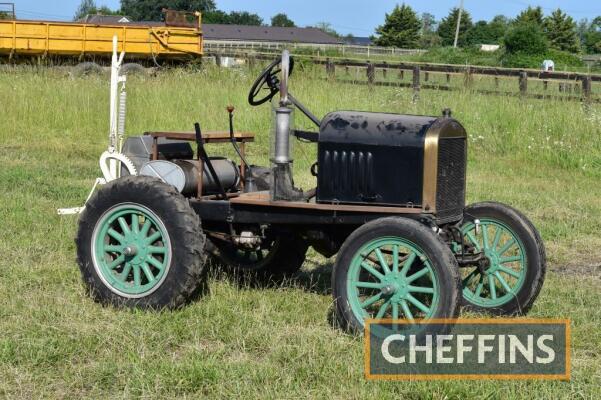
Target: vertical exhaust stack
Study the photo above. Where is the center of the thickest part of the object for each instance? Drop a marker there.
(282, 187)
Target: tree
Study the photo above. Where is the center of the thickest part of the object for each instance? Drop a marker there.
(530, 16)
(488, 32)
(428, 23)
(85, 7)
(150, 10)
(245, 18)
(282, 20)
(446, 28)
(429, 37)
(401, 28)
(526, 38)
(327, 28)
(561, 31)
(592, 37)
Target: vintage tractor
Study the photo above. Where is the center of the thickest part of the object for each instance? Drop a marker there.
(389, 201)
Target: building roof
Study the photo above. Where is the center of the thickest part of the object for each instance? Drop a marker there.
(267, 34)
(105, 19)
(359, 40)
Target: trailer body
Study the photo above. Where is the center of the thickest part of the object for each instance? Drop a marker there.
(74, 39)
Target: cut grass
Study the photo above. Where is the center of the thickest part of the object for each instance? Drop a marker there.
(274, 342)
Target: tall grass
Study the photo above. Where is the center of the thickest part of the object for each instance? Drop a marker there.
(541, 156)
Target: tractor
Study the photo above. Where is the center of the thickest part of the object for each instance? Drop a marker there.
(389, 204)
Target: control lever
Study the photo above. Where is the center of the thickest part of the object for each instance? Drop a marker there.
(249, 179)
(202, 153)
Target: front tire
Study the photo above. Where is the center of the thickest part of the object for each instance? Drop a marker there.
(140, 244)
(516, 260)
(394, 268)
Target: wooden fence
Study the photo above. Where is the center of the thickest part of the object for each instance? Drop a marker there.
(567, 82)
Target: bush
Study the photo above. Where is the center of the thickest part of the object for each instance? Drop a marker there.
(526, 39)
(562, 60)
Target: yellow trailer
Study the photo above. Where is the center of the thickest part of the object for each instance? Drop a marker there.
(179, 38)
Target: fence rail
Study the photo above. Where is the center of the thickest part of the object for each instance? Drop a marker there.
(568, 82)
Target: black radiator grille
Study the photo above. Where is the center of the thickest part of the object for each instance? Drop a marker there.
(450, 191)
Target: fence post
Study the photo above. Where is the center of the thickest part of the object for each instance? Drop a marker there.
(545, 85)
(416, 85)
(330, 68)
(586, 89)
(371, 73)
(523, 83)
(385, 70)
(448, 79)
(426, 76)
(467, 79)
(401, 74)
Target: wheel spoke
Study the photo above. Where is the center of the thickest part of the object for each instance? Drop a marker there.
(372, 271)
(368, 285)
(153, 238)
(419, 289)
(116, 235)
(418, 304)
(123, 225)
(135, 223)
(145, 228)
(509, 271)
(474, 241)
(506, 260)
(485, 236)
(125, 272)
(469, 277)
(408, 262)
(157, 250)
(395, 310)
(418, 274)
(406, 310)
(382, 261)
(506, 246)
(371, 300)
(113, 249)
(395, 258)
(154, 262)
(147, 272)
(491, 286)
(479, 287)
(495, 243)
(137, 276)
(116, 262)
(503, 282)
(382, 309)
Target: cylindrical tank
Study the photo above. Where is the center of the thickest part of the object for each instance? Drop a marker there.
(183, 174)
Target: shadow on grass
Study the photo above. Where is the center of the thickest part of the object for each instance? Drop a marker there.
(313, 278)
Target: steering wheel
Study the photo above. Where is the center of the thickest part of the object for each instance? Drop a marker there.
(268, 80)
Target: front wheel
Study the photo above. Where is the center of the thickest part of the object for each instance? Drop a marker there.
(394, 268)
(511, 275)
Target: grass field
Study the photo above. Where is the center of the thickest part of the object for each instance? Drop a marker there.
(273, 342)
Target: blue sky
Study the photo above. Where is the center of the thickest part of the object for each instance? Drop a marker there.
(358, 17)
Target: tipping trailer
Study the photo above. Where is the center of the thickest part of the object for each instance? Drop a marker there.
(179, 38)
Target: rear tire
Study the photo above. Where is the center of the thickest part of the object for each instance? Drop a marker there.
(133, 69)
(279, 257)
(420, 282)
(87, 68)
(509, 235)
(140, 244)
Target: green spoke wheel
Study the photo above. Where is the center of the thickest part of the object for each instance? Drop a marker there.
(394, 269)
(140, 244)
(380, 282)
(131, 250)
(512, 270)
(505, 272)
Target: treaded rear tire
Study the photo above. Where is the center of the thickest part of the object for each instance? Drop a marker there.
(186, 275)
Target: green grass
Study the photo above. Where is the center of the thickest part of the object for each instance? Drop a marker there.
(275, 342)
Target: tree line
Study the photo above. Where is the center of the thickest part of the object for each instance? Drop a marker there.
(403, 27)
(151, 10)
